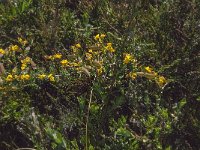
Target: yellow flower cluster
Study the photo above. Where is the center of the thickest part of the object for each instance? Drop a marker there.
(10, 78)
(53, 57)
(41, 76)
(94, 60)
(22, 77)
(75, 48)
(57, 56)
(21, 41)
(148, 69)
(100, 71)
(25, 77)
(110, 48)
(23, 66)
(64, 62)
(51, 78)
(160, 80)
(92, 55)
(88, 56)
(2, 51)
(74, 64)
(78, 45)
(128, 58)
(14, 48)
(99, 37)
(149, 74)
(24, 62)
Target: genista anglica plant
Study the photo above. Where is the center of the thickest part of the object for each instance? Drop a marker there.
(99, 74)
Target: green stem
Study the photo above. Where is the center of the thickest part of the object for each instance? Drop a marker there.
(87, 118)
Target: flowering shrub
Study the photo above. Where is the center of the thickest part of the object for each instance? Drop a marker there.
(98, 60)
(99, 74)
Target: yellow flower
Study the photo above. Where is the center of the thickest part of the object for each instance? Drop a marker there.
(23, 42)
(148, 69)
(9, 78)
(51, 78)
(127, 58)
(26, 60)
(20, 40)
(74, 64)
(2, 51)
(14, 48)
(51, 57)
(57, 56)
(102, 36)
(132, 75)
(41, 76)
(99, 71)
(23, 66)
(110, 48)
(64, 62)
(78, 45)
(25, 77)
(109, 44)
(161, 81)
(97, 37)
(88, 56)
(90, 51)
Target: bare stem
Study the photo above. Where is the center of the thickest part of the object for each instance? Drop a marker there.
(87, 118)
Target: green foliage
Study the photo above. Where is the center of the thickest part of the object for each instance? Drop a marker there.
(99, 74)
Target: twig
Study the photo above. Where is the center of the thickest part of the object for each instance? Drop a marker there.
(25, 149)
(87, 118)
